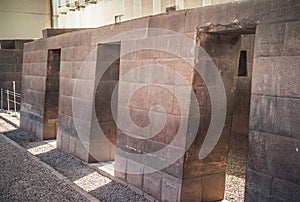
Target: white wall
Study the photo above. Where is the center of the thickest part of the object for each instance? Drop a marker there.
(104, 11)
(93, 15)
(24, 19)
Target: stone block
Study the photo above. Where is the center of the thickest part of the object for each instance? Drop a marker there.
(66, 69)
(171, 189)
(124, 93)
(83, 128)
(258, 186)
(109, 130)
(264, 79)
(81, 151)
(84, 70)
(137, 145)
(72, 145)
(162, 96)
(285, 190)
(139, 98)
(65, 141)
(135, 173)
(152, 183)
(105, 90)
(287, 118)
(120, 167)
(100, 151)
(213, 187)
(172, 21)
(101, 35)
(175, 169)
(262, 113)
(192, 189)
(291, 37)
(83, 53)
(39, 130)
(269, 39)
(59, 138)
(287, 77)
(78, 108)
(67, 54)
(50, 131)
(274, 155)
(138, 76)
(84, 89)
(150, 146)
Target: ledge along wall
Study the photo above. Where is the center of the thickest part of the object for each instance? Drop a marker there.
(273, 160)
(11, 58)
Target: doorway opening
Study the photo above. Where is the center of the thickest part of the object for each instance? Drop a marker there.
(108, 63)
(238, 145)
(230, 48)
(52, 94)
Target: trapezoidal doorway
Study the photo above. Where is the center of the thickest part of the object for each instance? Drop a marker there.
(52, 94)
(103, 143)
(231, 50)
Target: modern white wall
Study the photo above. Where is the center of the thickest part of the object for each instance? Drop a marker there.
(24, 19)
(93, 15)
(104, 12)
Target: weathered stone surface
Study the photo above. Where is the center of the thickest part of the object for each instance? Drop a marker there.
(11, 59)
(274, 101)
(153, 183)
(276, 76)
(291, 38)
(262, 114)
(192, 189)
(258, 186)
(274, 155)
(284, 190)
(171, 189)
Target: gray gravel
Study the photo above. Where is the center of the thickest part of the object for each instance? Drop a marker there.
(24, 179)
(81, 174)
(236, 168)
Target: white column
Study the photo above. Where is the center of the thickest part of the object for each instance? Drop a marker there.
(179, 4)
(206, 2)
(156, 7)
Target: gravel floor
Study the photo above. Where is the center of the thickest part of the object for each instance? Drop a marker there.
(27, 180)
(85, 177)
(236, 168)
(107, 190)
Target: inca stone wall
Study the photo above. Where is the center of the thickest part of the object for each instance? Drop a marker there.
(273, 159)
(11, 57)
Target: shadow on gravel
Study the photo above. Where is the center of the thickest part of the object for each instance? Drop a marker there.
(117, 192)
(237, 156)
(23, 138)
(66, 164)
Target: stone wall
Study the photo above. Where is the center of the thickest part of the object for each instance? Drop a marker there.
(11, 58)
(273, 156)
(272, 172)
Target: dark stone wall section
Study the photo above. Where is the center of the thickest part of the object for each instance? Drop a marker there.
(11, 59)
(52, 94)
(241, 111)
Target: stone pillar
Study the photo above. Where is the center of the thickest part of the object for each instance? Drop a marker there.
(188, 178)
(204, 179)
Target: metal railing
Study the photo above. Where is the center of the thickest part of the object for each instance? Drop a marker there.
(11, 97)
